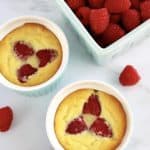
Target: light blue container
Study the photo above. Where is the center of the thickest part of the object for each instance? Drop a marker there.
(102, 55)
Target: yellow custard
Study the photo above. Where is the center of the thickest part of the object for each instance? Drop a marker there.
(72, 106)
(38, 37)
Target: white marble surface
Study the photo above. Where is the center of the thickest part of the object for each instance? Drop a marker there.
(28, 129)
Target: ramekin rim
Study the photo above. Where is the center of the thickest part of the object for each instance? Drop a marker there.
(63, 41)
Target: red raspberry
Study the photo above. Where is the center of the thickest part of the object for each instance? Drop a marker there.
(115, 6)
(99, 20)
(22, 50)
(6, 117)
(115, 18)
(25, 71)
(92, 106)
(131, 19)
(99, 42)
(76, 126)
(135, 4)
(145, 10)
(83, 14)
(129, 76)
(101, 128)
(75, 4)
(45, 56)
(96, 3)
(112, 34)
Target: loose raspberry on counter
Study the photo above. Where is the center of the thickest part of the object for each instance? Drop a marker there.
(131, 19)
(115, 6)
(6, 118)
(99, 20)
(129, 76)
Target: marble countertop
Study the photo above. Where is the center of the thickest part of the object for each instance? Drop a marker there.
(28, 129)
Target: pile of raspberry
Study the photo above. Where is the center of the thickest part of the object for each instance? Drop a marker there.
(109, 20)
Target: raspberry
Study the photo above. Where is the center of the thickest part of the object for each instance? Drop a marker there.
(22, 50)
(75, 4)
(83, 14)
(115, 18)
(92, 106)
(135, 4)
(101, 128)
(24, 72)
(45, 56)
(6, 117)
(99, 20)
(76, 126)
(115, 6)
(96, 3)
(131, 19)
(99, 42)
(112, 34)
(145, 10)
(129, 76)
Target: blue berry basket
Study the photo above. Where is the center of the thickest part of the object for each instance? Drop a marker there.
(102, 55)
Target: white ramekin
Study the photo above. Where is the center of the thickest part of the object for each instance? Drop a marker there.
(42, 88)
(82, 85)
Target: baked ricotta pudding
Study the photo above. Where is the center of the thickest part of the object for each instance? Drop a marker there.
(88, 119)
(30, 55)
